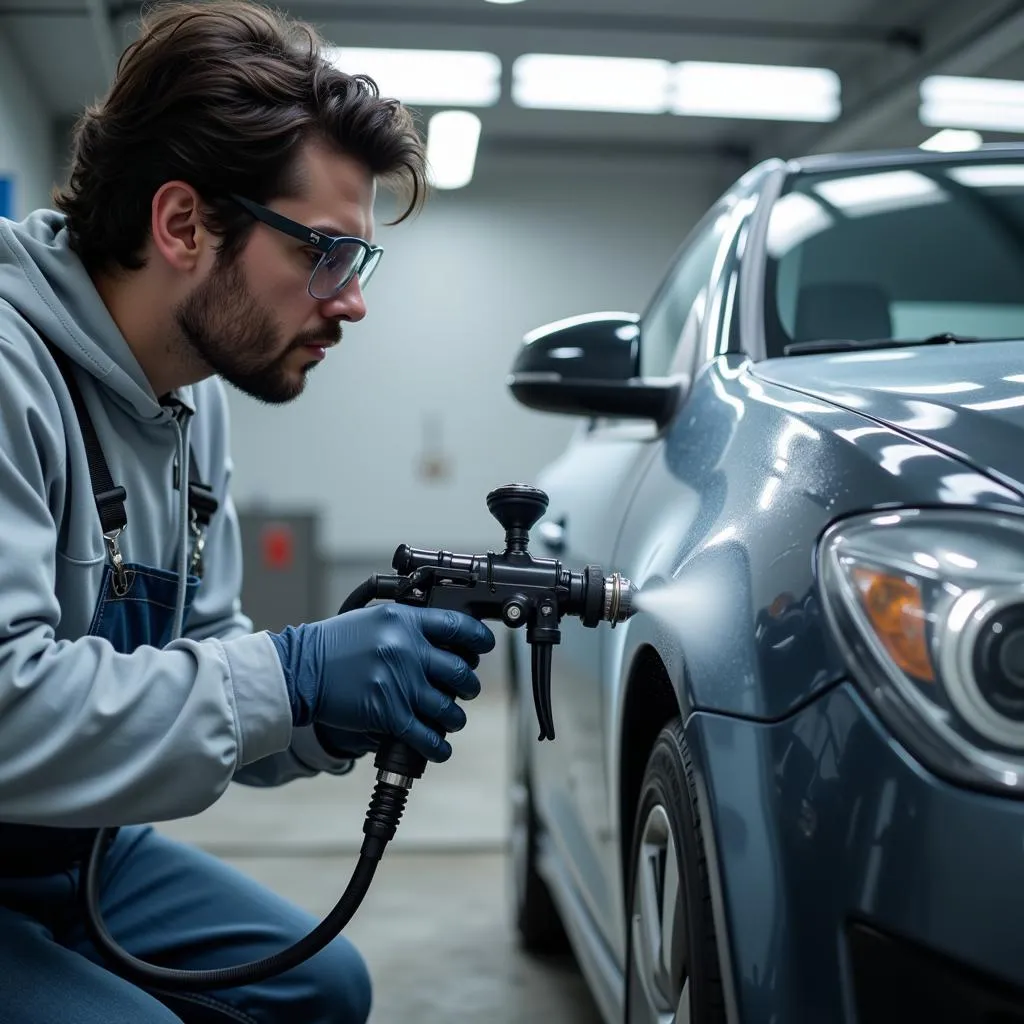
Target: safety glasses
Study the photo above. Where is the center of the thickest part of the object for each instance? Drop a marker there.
(342, 257)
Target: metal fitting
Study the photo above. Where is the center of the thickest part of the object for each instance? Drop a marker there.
(618, 599)
(394, 779)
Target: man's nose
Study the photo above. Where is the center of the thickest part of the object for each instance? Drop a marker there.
(348, 304)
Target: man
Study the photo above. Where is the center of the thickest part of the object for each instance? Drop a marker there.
(217, 224)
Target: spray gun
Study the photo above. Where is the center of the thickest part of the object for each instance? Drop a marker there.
(512, 587)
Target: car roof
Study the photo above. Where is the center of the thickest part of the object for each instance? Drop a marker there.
(827, 162)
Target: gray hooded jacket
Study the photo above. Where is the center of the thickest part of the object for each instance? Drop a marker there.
(90, 737)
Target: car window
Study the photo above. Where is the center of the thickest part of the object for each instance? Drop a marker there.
(900, 253)
(677, 312)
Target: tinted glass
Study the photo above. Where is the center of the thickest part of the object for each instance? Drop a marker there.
(898, 252)
(679, 306)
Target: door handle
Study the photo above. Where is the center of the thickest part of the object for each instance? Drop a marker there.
(552, 534)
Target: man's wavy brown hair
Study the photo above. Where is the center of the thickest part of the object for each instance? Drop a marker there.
(223, 95)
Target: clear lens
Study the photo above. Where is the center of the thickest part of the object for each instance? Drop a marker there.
(999, 662)
(335, 270)
(369, 267)
(984, 683)
(928, 608)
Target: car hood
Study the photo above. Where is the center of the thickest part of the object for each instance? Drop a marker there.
(966, 399)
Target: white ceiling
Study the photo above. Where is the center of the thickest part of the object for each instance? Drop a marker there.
(880, 49)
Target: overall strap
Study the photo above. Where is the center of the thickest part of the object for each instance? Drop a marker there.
(109, 498)
(201, 501)
(201, 507)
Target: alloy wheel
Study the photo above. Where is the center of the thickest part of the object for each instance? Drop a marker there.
(659, 990)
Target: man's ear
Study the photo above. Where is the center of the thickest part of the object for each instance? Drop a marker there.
(177, 228)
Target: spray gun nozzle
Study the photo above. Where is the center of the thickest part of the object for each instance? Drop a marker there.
(618, 599)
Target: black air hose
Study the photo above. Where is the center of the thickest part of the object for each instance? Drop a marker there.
(382, 818)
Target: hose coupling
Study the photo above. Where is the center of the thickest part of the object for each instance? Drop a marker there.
(394, 779)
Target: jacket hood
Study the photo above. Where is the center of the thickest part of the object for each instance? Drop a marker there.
(45, 281)
(966, 399)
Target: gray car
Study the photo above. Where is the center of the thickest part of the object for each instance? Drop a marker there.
(790, 789)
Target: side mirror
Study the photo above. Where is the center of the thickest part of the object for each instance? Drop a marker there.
(590, 366)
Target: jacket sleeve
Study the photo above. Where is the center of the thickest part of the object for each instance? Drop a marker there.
(91, 737)
(217, 609)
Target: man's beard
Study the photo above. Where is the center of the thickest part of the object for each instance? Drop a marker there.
(237, 338)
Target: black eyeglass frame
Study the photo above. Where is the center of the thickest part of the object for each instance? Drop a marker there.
(325, 244)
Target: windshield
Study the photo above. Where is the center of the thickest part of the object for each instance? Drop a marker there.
(898, 252)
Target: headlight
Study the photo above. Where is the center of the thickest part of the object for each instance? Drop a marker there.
(928, 608)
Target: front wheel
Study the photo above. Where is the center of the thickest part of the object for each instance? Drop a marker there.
(672, 972)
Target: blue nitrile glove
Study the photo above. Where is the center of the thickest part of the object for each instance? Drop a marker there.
(345, 743)
(376, 672)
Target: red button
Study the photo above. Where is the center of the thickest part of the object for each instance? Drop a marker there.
(278, 545)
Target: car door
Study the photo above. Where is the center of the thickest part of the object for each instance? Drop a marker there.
(589, 489)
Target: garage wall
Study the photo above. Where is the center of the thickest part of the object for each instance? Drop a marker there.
(26, 140)
(421, 381)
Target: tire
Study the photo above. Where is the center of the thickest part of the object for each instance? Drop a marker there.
(537, 923)
(670, 920)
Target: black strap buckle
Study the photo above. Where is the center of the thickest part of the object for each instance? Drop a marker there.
(202, 502)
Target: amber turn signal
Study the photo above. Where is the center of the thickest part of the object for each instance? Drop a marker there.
(896, 612)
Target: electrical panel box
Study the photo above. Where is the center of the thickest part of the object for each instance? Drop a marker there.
(283, 574)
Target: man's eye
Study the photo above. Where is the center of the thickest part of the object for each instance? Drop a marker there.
(314, 256)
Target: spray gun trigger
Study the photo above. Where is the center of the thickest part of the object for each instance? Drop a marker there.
(541, 658)
(542, 634)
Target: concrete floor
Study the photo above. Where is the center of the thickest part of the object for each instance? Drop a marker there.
(444, 875)
(455, 958)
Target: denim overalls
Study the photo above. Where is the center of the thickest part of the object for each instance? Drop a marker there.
(161, 900)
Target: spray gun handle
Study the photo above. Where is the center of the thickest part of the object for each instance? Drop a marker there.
(400, 760)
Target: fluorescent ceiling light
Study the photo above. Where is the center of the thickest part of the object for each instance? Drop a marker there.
(433, 78)
(795, 218)
(759, 91)
(952, 140)
(989, 175)
(452, 140)
(647, 86)
(865, 194)
(981, 103)
(615, 84)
